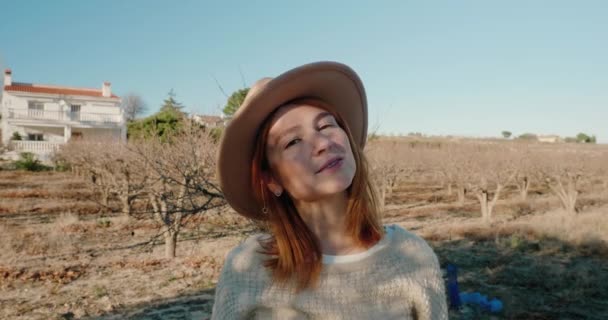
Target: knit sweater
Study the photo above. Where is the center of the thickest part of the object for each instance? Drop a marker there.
(399, 279)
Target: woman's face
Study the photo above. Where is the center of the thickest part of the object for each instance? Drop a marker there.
(309, 154)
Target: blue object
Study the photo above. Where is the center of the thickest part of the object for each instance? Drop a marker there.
(495, 305)
(453, 291)
(476, 298)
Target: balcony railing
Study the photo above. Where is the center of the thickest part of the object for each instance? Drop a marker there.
(86, 117)
(38, 147)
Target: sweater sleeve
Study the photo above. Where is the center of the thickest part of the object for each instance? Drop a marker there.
(434, 306)
(240, 283)
(225, 304)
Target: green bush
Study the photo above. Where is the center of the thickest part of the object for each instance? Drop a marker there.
(528, 136)
(62, 166)
(216, 133)
(27, 161)
(16, 136)
(104, 223)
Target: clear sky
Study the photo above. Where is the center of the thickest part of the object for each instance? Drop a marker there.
(438, 67)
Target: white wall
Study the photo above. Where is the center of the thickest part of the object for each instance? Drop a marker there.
(93, 107)
(94, 133)
(55, 134)
(50, 134)
(53, 104)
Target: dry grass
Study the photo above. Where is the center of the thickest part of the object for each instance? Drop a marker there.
(36, 240)
(87, 261)
(587, 230)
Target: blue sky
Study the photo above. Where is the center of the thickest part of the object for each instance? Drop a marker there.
(470, 68)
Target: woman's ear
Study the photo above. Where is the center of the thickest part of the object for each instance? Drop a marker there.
(272, 184)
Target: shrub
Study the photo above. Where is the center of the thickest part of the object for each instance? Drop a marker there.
(27, 161)
(104, 223)
(62, 166)
(16, 136)
(528, 136)
(216, 133)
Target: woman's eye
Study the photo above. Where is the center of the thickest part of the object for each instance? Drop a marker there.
(329, 125)
(292, 142)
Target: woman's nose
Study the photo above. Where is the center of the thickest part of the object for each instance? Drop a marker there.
(321, 143)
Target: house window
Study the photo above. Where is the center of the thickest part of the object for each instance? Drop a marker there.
(35, 137)
(35, 105)
(35, 109)
(75, 112)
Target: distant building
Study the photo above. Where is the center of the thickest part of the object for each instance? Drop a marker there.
(550, 139)
(210, 121)
(38, 118)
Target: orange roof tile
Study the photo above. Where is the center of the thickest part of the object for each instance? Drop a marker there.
(37, 88)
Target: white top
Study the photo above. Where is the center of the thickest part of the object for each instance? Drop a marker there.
(400, 281)
(329, 259)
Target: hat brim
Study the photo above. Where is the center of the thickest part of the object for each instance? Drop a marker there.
(334, 83)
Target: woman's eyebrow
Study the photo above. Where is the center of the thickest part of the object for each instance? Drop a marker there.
(296, 127)
(284, 133)
(322, 115)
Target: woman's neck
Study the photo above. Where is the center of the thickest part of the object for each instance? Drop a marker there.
(326, 218)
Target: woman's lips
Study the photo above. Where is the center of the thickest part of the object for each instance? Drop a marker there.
(331, 165)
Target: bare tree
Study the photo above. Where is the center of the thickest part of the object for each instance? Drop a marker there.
(565, 172)
(181, 183)
(454, 163)
(176, 174)
(525, 171)
(391, 163)
(492, 169)
(481, 170)
(600, 167)
(133, 106)
(109, 167)
(385, 170)
(87, 160)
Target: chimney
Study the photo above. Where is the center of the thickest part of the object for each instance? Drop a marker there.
(106, 89)
(8, 79)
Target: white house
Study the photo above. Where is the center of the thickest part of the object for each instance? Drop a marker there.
(550, 138)
(210, 121)
(38, 118)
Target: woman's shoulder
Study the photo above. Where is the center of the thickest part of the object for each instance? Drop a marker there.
(402, 234)
(410, 245)
(246, 256)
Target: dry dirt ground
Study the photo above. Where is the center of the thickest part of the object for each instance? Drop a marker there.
(63, 256)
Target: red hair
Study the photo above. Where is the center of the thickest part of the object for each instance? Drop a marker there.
(294, 251)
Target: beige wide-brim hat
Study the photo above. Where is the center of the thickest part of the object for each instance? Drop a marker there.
(333, 83)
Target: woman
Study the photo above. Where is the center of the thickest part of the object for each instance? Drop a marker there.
(291, 159)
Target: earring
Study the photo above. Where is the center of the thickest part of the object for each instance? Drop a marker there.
(278, 193)
(264, 209)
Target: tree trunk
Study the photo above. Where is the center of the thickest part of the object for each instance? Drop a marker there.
(105, 197)
(389, 186)
(170, 243)
(461, 193)
(494, 200)
(449, 192)
(126, 205)
(572, 195)
(567, 196)
(482, 196)
(382, 199)
(523, 189)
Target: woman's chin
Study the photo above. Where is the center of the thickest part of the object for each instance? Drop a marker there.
(334, 188)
